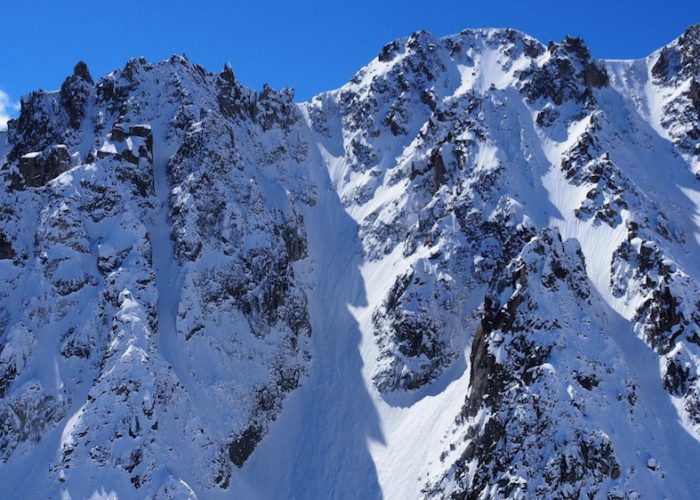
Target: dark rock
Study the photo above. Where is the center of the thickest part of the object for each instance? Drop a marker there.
(75, 93)
(81, 70)
(277, 108)
(8, 372)
(394, 124)
(233, 99)
(35, 129)
(227, 74)
(532, 49)
(119, 133)
(143, 131)
(38, 169)
(595, 76)
(615, 472)
(437, 165)
(689, 44)
(694, 95)
(295, 243)
(243, 445)
(6, 250)
(485, 374)
(662, 318)
(677, 377)
(547, 116)
(576, 46)
(587, 382)
(660, 68)
(388, 52)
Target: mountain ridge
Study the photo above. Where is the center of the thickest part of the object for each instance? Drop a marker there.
(469, 272)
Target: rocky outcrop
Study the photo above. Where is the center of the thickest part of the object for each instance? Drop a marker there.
(36, 169)
(6, 249)
(518, 439)
(569, 74)
(666, 318)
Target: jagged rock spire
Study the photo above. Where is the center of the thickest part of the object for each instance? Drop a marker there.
(227, 73)
(81, 70)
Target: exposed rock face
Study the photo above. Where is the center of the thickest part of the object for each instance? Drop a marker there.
(6, 250)
(568, 74)
(81, 71)
(667, 316)
(526, 441)
(518, 310)
(37, 169)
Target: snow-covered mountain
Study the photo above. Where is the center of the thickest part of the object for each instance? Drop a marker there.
(471, 272)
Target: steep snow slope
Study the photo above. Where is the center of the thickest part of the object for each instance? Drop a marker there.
(447, 195)
(470, 272)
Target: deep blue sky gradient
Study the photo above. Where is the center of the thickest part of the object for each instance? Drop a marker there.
(310, 45)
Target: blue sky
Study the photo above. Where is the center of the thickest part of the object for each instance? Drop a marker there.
(309, 45)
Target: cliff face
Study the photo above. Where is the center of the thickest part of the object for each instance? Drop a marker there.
(470, 272)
